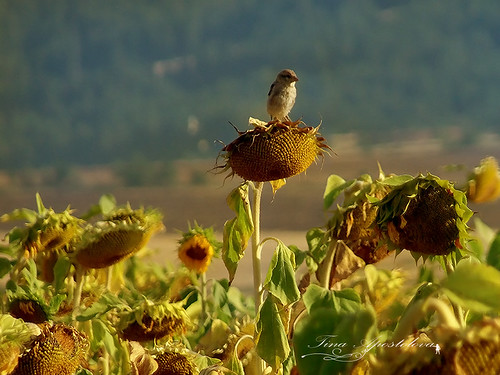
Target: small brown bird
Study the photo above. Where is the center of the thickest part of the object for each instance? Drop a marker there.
(281, 96)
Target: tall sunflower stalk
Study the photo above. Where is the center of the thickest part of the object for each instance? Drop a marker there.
(270, 152)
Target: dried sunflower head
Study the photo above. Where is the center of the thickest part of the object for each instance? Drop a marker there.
(425, 215)
(154, 320)
(119, 236)
(59, 349)
(170, 363)
(273, 151)
(355, 221)
(46, 230)
(197, 247)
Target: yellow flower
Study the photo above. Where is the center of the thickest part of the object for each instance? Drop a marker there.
(484, 184)
(196, 253)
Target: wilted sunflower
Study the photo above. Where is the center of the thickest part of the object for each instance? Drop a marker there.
(154, 320)
(122, 234)
(59, 349)
(273, 151)
(170, 363)
(197, 248)
(426, 215)
(45, 231)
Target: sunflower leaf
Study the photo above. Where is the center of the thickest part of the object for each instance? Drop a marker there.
(334, 186)
(474, 286)
(493, 258)
(272, 342)
(238, 230)
(280, 279)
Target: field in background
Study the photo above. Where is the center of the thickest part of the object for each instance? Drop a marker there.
(296, 208)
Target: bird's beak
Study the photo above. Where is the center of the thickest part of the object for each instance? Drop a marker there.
(295, 79)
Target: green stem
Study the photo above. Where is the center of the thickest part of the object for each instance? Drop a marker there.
(203, 280)
(457, 310)
(256, 257)
(257, 246)
(77, 297)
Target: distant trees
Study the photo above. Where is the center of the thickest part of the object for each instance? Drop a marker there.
(89, 82)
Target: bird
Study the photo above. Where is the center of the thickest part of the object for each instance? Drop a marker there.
(281, 96)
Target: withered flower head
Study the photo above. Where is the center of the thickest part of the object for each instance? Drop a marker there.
(59, 349)
(122, 234)
(426, 215)
(170, 363)
(273, 151)
(154, 320)
(45, 231)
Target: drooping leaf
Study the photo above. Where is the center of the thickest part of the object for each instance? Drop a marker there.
(328, 342)
(334, 186)
(345, 300)
(272, 342)
(493, 257)
(280, 279)
(102, 336)
(237, 231)
(474, 286)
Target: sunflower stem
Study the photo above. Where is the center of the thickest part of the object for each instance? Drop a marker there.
(257, 256)
(77, 297)
(457, 310)
(203, 280)
(257, 246)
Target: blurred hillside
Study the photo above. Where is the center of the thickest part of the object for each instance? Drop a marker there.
(93, 82)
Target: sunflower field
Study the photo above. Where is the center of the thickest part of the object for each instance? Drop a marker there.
(77, 300)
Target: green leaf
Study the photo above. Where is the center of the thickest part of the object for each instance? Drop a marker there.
(397, 180)
(5, 266)
(474, 286)
(61, 269)
(107, 203)
(272, 342)
(220, 300)
(345, 300)
(234, 364)
(107, 302)
(334, 186)
(327, 342)
(237, 231)
(493, 257)
(39, 204)
(280, 279)
(102, 336)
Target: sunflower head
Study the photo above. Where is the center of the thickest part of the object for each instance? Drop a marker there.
(197, 247)
(154, 320)
(45, 231)
(425, 215)
(170, 362)
(273, 151)
(119, 236)
(355, 221)
(59, 349)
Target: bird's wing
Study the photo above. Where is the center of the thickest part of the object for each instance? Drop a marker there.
(271, 88)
